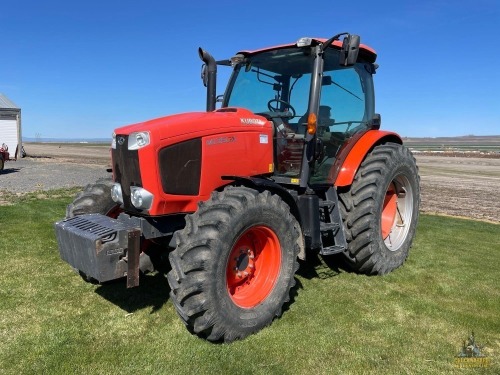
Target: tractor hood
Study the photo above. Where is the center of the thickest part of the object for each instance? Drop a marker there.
(198, 123)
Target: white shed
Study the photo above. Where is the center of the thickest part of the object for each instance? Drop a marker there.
(10, 126)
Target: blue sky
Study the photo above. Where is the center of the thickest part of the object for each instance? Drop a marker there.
(83, 68)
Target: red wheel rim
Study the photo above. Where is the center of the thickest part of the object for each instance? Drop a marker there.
(389, 210)
(253, 266)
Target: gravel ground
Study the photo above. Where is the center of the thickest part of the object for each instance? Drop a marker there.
(32, 174)
(53, 166)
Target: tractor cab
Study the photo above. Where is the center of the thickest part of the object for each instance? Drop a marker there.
(315, 96)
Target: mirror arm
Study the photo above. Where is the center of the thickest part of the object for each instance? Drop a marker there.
(331, 40)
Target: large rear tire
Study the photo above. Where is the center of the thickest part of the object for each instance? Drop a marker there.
(234, 264)
(380, 210)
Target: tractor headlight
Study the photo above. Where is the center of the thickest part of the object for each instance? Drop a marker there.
(138, 140)
(116, 193)
(141, 198)
(113, 140)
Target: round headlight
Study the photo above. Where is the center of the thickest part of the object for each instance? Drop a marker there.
(141, 140)
(116, 193)
(141, 198)
(138, 140)
(137, 198)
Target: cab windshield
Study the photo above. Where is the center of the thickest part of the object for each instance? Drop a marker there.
(280, 80)
(285, 74)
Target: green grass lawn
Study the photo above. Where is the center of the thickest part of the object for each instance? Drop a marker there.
(411, 321)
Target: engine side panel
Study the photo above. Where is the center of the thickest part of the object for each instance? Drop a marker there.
(183, 168)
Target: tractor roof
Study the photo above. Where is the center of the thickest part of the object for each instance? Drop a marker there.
(365, 51)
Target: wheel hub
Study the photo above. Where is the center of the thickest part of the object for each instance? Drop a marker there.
(243, 264)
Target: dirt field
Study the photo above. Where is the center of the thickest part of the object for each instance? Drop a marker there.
(69, 152)
(461, 186)
(458, 186)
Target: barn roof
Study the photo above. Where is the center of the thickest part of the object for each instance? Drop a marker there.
(6, 103)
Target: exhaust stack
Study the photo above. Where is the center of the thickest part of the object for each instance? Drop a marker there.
(209, 76)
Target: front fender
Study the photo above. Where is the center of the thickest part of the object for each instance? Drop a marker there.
(352, 155)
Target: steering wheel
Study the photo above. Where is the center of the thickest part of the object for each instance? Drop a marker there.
(276, 108)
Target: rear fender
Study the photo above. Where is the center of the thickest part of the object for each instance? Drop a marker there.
(352, 155)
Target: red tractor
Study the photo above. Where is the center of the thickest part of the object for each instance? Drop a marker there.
(292, 163)
(4, 155)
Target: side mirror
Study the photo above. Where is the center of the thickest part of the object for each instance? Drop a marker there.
(349, 51)
(204, 76)
(375, 122)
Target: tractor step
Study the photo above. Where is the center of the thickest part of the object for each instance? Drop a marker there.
(324, 227)
(326, 203)
(333, 238)
(330, 250)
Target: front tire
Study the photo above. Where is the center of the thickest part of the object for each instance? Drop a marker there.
(94, 199)
(234, 264)
(380, 210)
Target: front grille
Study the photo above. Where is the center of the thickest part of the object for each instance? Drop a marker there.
(180, 167)
(126, 170)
